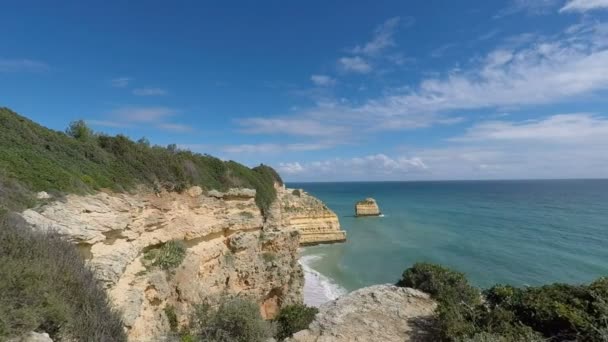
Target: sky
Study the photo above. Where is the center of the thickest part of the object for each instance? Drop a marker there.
(326, 90)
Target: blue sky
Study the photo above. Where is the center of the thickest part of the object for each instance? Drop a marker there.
(372, 90)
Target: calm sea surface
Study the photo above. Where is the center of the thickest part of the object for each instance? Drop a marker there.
(515, 232)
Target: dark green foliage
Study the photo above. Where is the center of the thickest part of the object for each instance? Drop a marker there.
(167, 257)
(236, 320)
(442, 283)
(294, 318)
(39, 159)
(45, 286)
(557, 312)
(296, 192)
(171, 316)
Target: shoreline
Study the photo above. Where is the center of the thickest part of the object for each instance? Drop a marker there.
(318, 288)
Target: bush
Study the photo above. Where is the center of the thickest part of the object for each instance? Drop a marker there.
(296, 192)
(171, 317)
(81, 161)
(294, 318)
(45, 286)
(556, 312)
(442, 283)
(168, 256)
(236, 320)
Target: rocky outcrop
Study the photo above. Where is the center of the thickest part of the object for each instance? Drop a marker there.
(378, 313)
(367, 207)
(315, 222)
(231, 250)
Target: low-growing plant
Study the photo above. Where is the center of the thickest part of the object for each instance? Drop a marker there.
(269, 256)
(296, 192)
(171, 317)
(45, 286)
(167, 257)
(235, 320)
(293, 318)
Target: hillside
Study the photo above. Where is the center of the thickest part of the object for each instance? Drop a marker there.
(34, 158)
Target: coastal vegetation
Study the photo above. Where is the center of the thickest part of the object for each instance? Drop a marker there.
(293, 318)
(79, 160)
(556, 312)
(46, 286)
(168, 256)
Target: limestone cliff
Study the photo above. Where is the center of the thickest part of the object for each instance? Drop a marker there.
(367, 207)
(231, 250)
(377, 313)
(311, 217)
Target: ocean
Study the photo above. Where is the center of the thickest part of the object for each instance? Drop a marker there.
(521, 233)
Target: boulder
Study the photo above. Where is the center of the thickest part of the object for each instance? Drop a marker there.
(377, 313)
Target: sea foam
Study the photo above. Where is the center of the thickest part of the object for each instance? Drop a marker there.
(318, 289)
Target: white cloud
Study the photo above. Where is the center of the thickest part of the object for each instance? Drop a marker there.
(557, 146)
(322, 80)
(530, 7)
(274, 148)
(120, 82)
(153, 117)
(527, 71)
(584, 5)
(291, 126)
(22, 65)
(142, 114)
(382, 39)
(557, 129)
(174, 127)
(355, 64)
(377, 166)
(149, 92)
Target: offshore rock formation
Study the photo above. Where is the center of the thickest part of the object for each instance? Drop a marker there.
(312, 218)
(376, 313)
(367, 207)
(231, 250)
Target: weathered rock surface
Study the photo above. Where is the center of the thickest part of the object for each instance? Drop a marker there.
(227, 239)
(33, 337)
(315, 222)
(377, 313)
(367, 207)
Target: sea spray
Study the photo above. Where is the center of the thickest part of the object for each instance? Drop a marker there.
(318, 289)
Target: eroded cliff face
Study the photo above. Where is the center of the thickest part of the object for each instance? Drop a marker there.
(231, 250)
(311, 217)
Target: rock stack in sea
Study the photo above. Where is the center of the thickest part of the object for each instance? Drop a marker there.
(367, 207)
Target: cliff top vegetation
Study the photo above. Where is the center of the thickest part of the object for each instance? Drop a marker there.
(34, 158)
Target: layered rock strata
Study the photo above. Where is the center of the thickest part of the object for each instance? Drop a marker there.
(231, 250)
(377, 313)
(315, 222)
(367, 207)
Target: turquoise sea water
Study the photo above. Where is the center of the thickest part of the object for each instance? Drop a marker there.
(515, 232)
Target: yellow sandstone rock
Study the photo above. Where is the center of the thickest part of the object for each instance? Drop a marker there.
(367, 207)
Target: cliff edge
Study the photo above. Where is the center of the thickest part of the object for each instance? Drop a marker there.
(229, 250)
(315, 222)
(377, 313)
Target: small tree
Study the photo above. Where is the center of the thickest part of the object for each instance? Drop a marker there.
(294, 318)
(79, 130)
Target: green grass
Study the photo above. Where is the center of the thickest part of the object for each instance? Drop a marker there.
(80, 161)
(167, 257)
(45, 286)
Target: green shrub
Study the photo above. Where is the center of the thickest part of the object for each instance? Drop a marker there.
(80, 161)
(45, 286)
(171, 317)
(236, 320)
(167, 257)
(556, 312)
(294, 318)
(296, 192)
(442, 283)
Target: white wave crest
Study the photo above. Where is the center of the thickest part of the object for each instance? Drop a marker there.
(318, 289)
